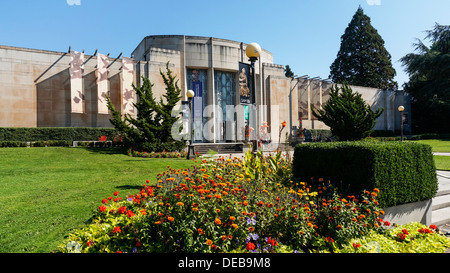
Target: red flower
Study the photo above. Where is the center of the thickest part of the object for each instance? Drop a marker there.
(356, 245)
(122, 209)
(102, 208)
(102, 138)
(116, 193)
(250, 246)
(272, 242)
(117, 230)
(284, 123)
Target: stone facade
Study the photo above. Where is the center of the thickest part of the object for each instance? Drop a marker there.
(36, 87)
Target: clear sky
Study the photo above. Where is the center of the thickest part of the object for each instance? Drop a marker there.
(304, 34)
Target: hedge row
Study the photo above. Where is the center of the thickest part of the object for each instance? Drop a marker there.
(56, 133)
(404, 172)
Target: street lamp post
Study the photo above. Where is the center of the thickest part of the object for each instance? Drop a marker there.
(253, 51)
(401, 109)
(191, 153)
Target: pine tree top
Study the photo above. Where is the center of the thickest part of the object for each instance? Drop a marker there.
(362, 58)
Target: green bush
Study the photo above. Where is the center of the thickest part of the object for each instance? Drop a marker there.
(55, 133)
(403, 171)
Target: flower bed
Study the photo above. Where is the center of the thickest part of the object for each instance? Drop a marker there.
(233, 205)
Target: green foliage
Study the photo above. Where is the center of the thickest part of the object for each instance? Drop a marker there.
(151, 129)
(409, 238)
(429, 83)
(362, 58)
(347, 114)
(404, 171)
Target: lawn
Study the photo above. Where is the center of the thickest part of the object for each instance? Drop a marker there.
(439, 146)
(47, 192)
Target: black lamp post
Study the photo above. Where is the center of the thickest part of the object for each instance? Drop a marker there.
(191, 153)
(253, 51)
(401, 109)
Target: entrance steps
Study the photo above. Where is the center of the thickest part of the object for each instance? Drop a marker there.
(221, 148)
(441, 202)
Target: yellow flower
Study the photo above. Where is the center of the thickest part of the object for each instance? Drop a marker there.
(234, 225)
(143, 212)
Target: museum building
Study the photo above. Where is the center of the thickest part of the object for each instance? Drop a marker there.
(40, 88)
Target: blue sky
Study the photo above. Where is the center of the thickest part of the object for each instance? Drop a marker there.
(304, 34)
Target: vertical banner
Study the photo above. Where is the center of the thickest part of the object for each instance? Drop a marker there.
(245, 83)
(198, 99)
(197, 105)
(76, 82)
(127, 88)
(102, 83)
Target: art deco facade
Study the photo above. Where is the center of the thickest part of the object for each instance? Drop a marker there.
(41, 88)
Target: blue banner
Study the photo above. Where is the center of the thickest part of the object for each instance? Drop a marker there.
(197, 87)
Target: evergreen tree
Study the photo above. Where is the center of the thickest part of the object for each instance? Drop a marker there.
(151, 129)
(347, 114)
(362, 58)
(429, 83)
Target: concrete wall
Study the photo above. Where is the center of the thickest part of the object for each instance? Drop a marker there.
(35, 89)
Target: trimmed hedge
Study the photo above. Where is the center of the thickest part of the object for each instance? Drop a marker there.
(56, 133)
(404, 172)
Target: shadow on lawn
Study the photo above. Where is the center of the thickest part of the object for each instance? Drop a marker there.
(107, 151)
(129, 187)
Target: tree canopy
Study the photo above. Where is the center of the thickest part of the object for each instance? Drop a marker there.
(429, 83)
(362, 58)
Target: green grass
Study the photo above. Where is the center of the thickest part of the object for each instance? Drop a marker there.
(442, 162)
(47, 192)
(438, 145)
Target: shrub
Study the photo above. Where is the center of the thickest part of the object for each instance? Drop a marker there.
(55, 133)
(404, 171)
(347, 114)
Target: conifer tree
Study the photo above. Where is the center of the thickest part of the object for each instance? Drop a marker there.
(150, 130)
(347, 114)
(362, 58)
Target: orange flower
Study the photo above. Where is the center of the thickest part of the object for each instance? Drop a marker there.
(232, 218)
(209, 242)
(170, 218)
(180, 204)
(217, 221)
(284, 123)
(158, 222)
(200, 231)
(234, 225)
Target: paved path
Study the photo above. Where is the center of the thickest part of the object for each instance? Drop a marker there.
(444, 154)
